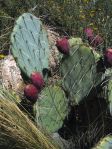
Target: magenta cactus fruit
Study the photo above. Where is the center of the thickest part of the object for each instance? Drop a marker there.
(108, 55)
(88, 32)
(63, 45)
(97, 41)
(37, 80)
(31, 93)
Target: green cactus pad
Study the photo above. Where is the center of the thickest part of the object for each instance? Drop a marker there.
(75, 41)
(105, 143)
(79, 73)
(30, 45)
(51, 108)
(97, 56)
(110, 95)
(109, 91)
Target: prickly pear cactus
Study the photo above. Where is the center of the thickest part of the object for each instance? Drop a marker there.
(79, 72)
(30, 45)
(105, 143)
(51, 109)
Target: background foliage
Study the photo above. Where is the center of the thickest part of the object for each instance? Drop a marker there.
(67, 16)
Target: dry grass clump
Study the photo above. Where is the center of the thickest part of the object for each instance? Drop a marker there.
(17, 131)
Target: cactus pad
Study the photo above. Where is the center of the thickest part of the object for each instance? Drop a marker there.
(75, 41)
(29, 44)
(109, 88)
(105, 143)
(51, 108)
(78, 71)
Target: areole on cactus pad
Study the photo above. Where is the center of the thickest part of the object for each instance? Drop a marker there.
(29, 44)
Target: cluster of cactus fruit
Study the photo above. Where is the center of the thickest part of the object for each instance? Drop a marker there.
(31, 91)
(94, 40)
(78, 69)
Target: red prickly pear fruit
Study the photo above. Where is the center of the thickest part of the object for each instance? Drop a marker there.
(108, 55)
(63, 46)
(31, 93)
(88, 32)
(37, 80)
(97, 41)
(91, 39)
